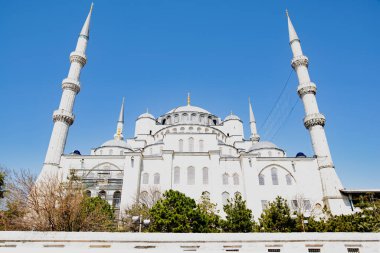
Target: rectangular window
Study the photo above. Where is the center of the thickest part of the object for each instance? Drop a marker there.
(294, 204)
(307, 205)
(190, 175)
(264, 204)
(274, 250)
(314, 250)
(261, 180)
(353, 250)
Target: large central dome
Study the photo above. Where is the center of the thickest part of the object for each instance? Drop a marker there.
(188, 108)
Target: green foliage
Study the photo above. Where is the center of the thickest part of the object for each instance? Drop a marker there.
(239, 218)
(210, 214)
(177, 213)
(277, 218)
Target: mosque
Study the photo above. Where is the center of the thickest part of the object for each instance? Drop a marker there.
(191, 150)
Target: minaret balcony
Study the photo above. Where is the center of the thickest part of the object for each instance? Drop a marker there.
(71, 84)
(300, 60)
(78, 57)
(306, 88)
(63, 116)
(314, 119)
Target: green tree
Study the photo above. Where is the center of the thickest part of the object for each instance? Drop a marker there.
(209, 213)
(177, 213)
(96, 215)
(239, 218)
(277, 218)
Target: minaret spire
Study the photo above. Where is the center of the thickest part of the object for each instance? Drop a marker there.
(252, 123)
(314, 121)
(63, 117)
(120, 124)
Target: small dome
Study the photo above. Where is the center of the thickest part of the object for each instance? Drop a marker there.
(146, 115)
(76, 152)
(188, 108)
(116, 143)
(300, 154)
(232, 117)
(263, 145)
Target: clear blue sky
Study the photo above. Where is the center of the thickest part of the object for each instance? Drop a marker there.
(154, 51)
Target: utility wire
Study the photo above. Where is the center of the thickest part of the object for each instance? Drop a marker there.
(277, 100)
(286, 119)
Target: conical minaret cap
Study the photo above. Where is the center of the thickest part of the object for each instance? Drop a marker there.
(251, 115)
(292, 32)
(86, 27)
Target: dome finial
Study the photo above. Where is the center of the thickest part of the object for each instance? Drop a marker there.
(188, 98)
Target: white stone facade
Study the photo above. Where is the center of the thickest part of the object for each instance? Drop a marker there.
(161, 242)
(191, 150)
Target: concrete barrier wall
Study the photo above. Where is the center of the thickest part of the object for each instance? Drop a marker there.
(29, 242)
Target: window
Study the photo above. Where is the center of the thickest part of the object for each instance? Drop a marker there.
(250, 162)
(176, 118)
(177, 175)
(307, 205)
(294, 204)
(191, 144)
(121, 152)
(132, 161)
(274, 250)
(156, 178)
(200, 145)
(205, 175)
(116, 199)
(185, 117)
(190, 176)
(225, 198)
(261, 179)
(192, 117)
(353, 250)
(225, 179)
(88, 193)
(180, 145)
(264, 204)
(236, 179)
(110, 152)
(102, 194)
(288, 179)
(314, 250)
(274, 176)
(145, 178)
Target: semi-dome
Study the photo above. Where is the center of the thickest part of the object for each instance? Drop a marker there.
(231, 117)
(263, 145)
(146, 115)
(116, 143)
(300, 154)
(188, 108)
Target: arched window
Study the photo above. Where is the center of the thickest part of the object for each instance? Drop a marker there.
(88, 193)
(176, 118)
(180, 145)
(145, 178)
(116, 199)
(236, 179)
(274, 176)
(261, 179)
(110, 152)
(288, 179)
(192, 117)
(250, 162)
(205, 175)
(132, 161)
(185, 117)
(225, 198)
(102, 194)
(191, 144)
(190, 175)
(200, 145)
(225, 179)
(177, 175)
(182, 129)
(156, 178)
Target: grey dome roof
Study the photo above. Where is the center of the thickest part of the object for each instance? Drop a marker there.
(263, 145)
(188, 108)
(232, 117)
(116, 143)
(146, 115)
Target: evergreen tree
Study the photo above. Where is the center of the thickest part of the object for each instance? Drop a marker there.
(210, 213)
(239, 218)
(277, 218)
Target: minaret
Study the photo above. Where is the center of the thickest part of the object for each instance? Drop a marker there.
(314, 121)
(63, 117)
(252, 124)
(120, 124)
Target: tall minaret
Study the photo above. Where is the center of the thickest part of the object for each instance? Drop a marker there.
(314, 121)
(120, 124)
(252, 124)
(63, 117)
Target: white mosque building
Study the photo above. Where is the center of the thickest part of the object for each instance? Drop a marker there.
(191, 150)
